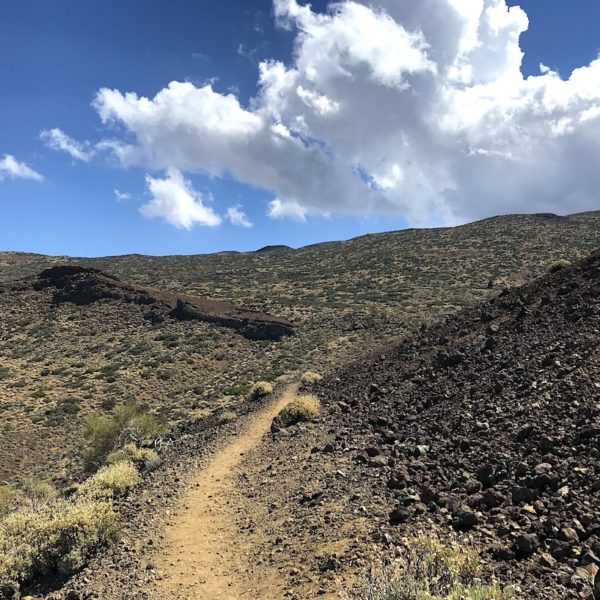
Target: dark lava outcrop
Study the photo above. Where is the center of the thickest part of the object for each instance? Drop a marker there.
(82, 286)
(275, 248)
(489, 423)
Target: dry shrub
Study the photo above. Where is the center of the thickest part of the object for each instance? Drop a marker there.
(144, 459)
(110, 481)
(558, 265)
(310, 377)
(8, 497)
(259, 390)
(227, 417)
(427, 569)
(46, 534)
(302, 409)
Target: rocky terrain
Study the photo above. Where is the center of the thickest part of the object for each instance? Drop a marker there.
(59, 362)
(82, 286)
(486, 425)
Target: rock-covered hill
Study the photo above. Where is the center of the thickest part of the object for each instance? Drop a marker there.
(488, 424)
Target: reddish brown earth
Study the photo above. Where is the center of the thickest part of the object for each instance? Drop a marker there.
(82, 285)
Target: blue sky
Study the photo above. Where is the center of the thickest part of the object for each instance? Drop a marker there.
(56, 56)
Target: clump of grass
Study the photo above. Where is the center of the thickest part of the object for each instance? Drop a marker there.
(558, 265)
(227, 417)
(430, 570)
(110, 481)
(259, 390)
(302, 409)
(45, 533)
(310, 377)
(143, 458)
(130, 424)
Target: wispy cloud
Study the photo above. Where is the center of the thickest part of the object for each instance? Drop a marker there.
(11, 168)
(237, 216)
(122, 196)
(59, 140)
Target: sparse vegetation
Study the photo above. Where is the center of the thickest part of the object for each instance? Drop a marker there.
(344, 298)
(428, 569)
(259, 390)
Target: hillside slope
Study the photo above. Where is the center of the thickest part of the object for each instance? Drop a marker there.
(486, 425)
(75, 340)
(345, 295)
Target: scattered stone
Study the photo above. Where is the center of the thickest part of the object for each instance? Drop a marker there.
(465, 519)
(526, 543)
(399, 515)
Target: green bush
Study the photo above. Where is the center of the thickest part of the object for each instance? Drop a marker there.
(102, 434)
(110, 481)
(430, 570)
(129, 424)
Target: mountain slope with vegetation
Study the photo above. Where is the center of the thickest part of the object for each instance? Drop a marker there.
(59, 362)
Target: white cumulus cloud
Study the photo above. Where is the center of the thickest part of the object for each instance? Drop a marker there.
(416, 108)
(237, 216)
(287, 209)
(59, 140)
(175, 200)
(11, 168)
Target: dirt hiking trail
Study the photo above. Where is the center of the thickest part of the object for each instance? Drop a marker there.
(204, 555)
